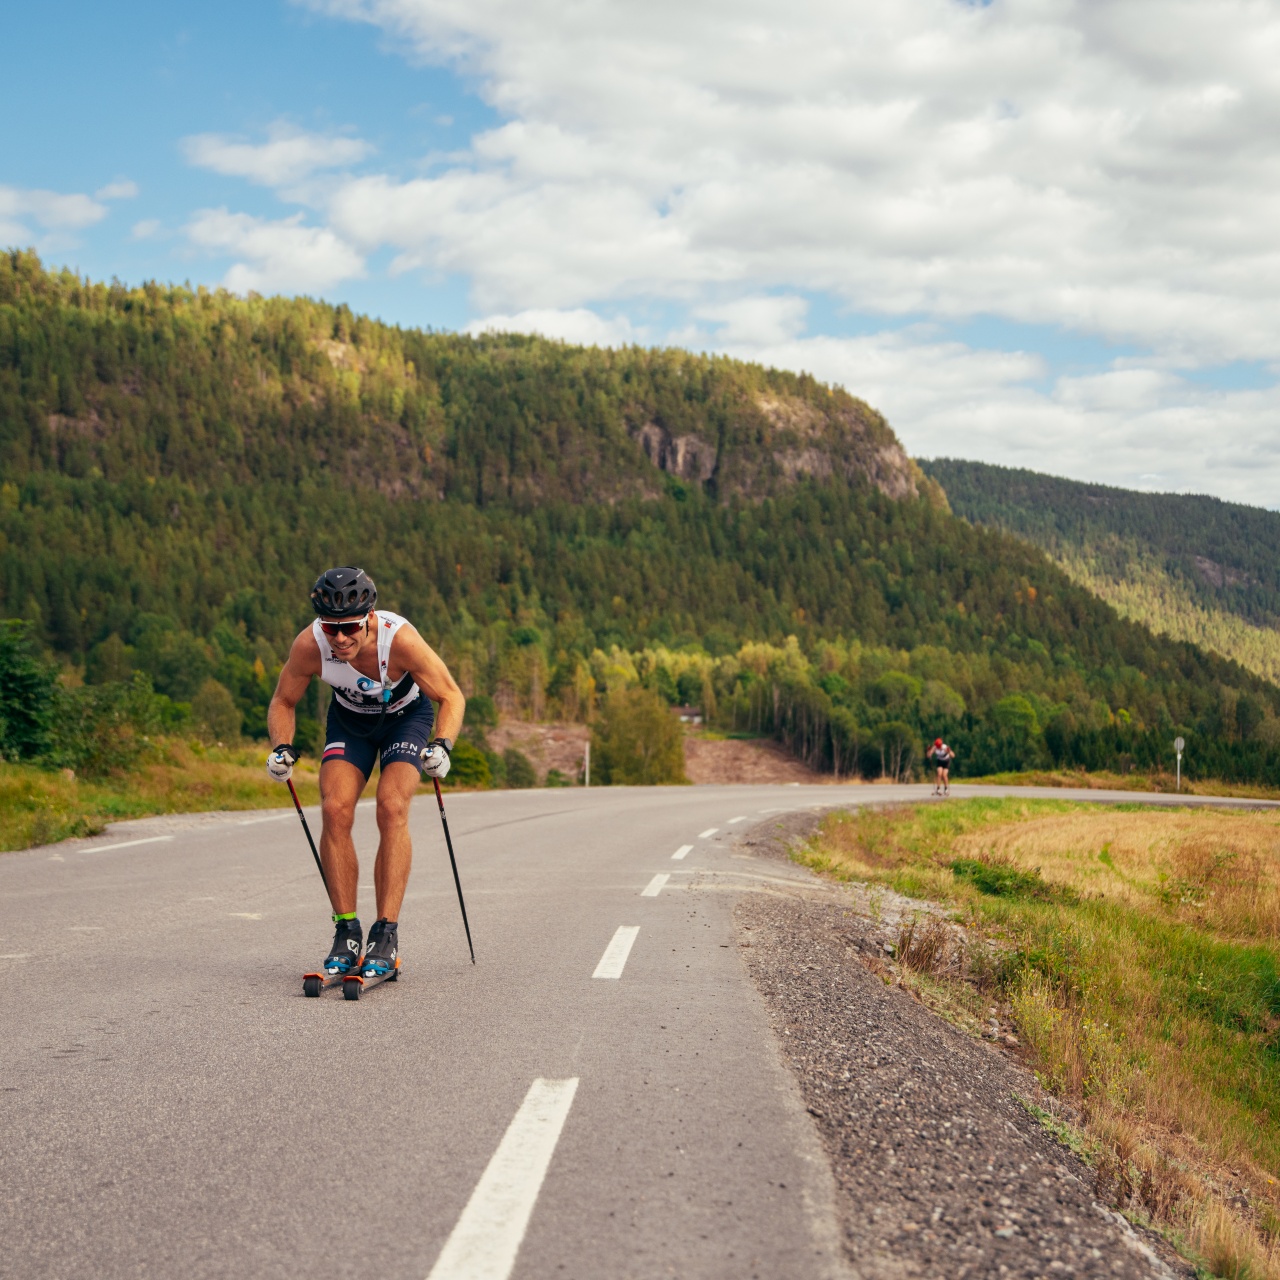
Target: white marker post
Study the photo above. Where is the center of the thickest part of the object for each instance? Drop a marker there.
(586, 764)
(1178, 745)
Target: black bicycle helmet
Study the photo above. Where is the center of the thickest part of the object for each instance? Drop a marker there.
(346, 592)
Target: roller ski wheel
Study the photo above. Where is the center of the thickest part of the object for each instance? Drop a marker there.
(354, 985)
(314, 983)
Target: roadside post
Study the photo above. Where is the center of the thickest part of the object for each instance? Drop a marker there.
(586, 764)
(1178, 745)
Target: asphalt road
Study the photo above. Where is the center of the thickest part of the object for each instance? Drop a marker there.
(173, 1106)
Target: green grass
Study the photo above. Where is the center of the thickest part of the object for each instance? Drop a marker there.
(42, 806)
(1140, 957)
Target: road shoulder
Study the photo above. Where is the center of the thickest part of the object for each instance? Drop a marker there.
(938, 1168)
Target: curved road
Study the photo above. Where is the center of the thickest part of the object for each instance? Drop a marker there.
(599, 1096)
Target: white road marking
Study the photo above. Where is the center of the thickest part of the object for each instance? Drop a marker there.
(741, 819)
(245, 915)
(484, 1242)
(681, 851)
(710, 831)
(124, 844)
(275, 817)
(17, 955)
(654, 887)
(615, 954)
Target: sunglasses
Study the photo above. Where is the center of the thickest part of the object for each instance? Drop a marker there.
(343, 628)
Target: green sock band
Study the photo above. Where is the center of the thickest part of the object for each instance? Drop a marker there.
(346, 915)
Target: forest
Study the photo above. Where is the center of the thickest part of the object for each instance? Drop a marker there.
(1187, 565)
(177, 466)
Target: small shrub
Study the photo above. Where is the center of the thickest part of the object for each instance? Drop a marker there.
(519, 769)
(555, 778)
(468, 767)
(637, 741)
(1001, 879)
(214, 710)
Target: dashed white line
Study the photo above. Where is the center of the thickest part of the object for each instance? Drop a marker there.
(741, 819)
(615, 955)
(654, 887)
(16, 955)
(484, 1242)
(681, 852)
(710, 831)
(124, 844)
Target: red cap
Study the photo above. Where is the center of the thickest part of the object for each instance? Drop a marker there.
(937, 742)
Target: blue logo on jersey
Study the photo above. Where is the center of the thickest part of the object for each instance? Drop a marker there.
(364, 684)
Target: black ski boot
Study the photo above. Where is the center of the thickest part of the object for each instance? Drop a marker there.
(380, 956)
(344, 955)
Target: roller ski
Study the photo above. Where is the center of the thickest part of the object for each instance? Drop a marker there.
(343, 959)
(381, 961)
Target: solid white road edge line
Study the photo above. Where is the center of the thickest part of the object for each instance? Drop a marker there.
(710, 831)
(275, 817)
(654, 887)
(615, 955)
(681, 851)
(484, 1242)
(124, 844)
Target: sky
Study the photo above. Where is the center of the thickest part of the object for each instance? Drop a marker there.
(1041, 233)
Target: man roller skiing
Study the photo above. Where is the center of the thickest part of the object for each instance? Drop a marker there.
(379, 668)
(944, 758)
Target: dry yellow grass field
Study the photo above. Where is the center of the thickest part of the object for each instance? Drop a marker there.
(1138, 951)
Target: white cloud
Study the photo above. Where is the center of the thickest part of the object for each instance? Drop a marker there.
(1105, 167)
(581, 326)
(51, 209)
(58, 216)
(288, 156)
(120, 189)
(145, 229)
(755, 321)
(275, 256)
(1133, 427)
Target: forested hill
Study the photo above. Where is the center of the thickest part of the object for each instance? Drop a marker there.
(1187, 565)
(176, 467)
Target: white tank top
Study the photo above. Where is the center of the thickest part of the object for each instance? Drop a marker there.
(356, 692)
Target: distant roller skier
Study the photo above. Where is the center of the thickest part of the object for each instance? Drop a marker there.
(943, 757)
(379, 668)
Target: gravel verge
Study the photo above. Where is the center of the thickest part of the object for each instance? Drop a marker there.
(939, 1170)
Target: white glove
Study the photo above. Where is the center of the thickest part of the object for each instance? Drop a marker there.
(435, 758)
(281, 761)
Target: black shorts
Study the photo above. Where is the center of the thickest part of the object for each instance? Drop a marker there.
(943, 764)
(400, 737)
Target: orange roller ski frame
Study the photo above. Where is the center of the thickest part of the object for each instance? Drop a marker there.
(354, 984)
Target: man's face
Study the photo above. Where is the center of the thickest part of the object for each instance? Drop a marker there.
(346, 636)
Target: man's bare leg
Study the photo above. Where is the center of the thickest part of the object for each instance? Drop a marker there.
(340, 786)
(395, 852)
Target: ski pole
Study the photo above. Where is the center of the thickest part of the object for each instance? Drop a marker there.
(444, 822)
(303, 819)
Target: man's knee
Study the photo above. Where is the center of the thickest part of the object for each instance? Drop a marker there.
(338, 814)
(393, 811)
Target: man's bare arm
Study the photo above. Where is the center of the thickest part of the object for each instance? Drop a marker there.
(433, 678)
(295, 677)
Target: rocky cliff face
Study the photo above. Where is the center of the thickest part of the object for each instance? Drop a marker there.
(773, 440)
